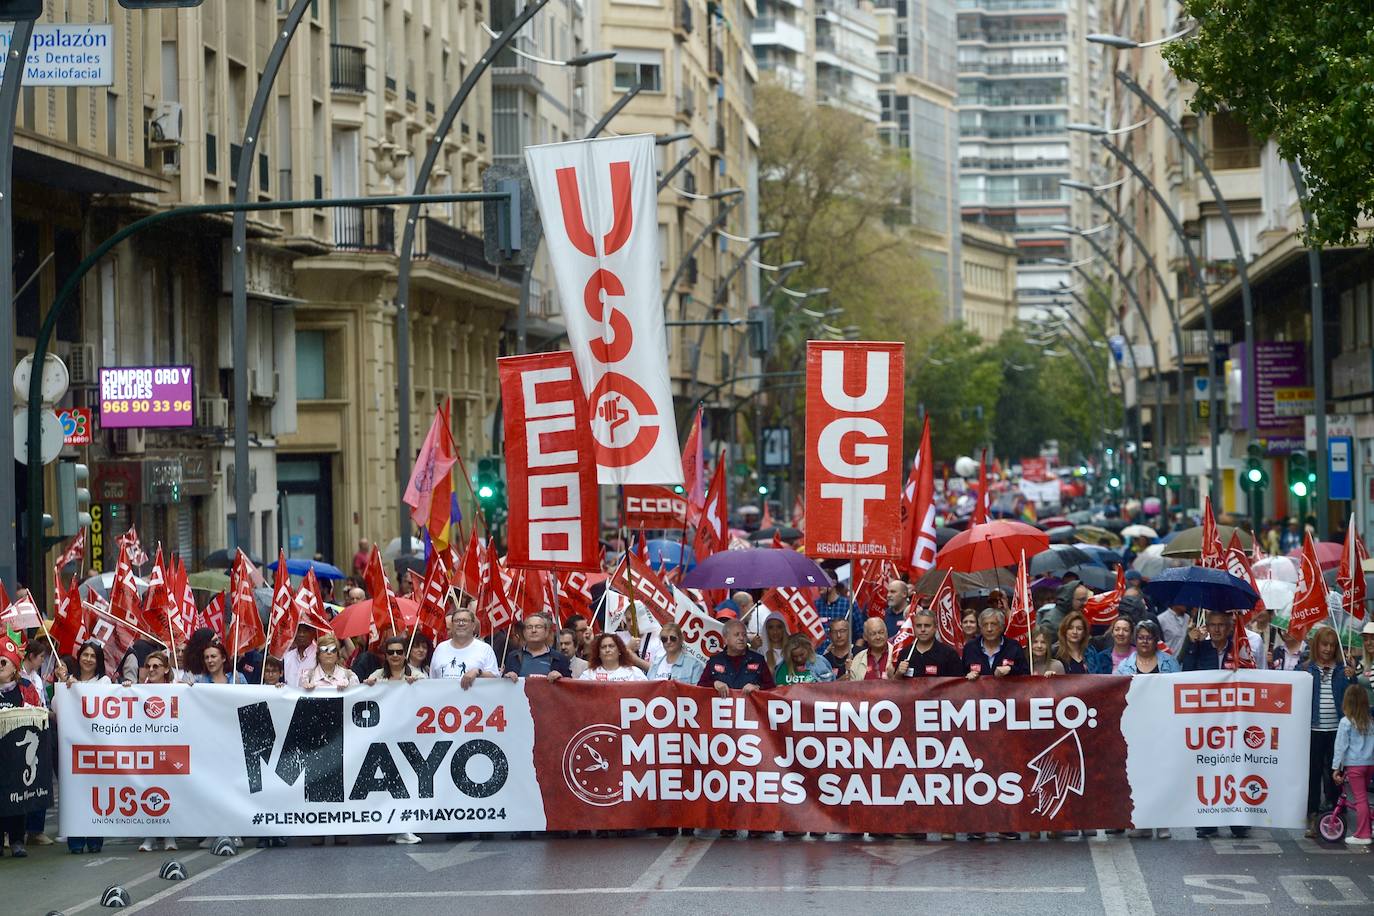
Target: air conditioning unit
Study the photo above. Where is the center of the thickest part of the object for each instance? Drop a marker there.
(214, 412)
(130, 441)
(81, 365)
(165, 126)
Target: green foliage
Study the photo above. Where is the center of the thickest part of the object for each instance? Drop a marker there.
(1301, 73)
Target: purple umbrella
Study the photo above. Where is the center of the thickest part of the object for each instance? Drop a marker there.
(762, 567)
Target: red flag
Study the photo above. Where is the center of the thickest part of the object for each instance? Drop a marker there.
(1104, 607)
(1212, 556)
(980, 508)
(129, 541)
(694, 467)
(431, 480)
(124, 607)
(212, 617)
(245, 634)
(157, 611)
(1242, 655)
(766, 521)
(777, 539)
(906, 634)
(379, 587)
(634, 579)
(433, 602)
(870, 590)
(1238, 565)
(310, 603)
(575, 595)
(76, 550)
(67, 620)
(1309, 604)
(918, 541)
(946, 607)
(184, 600)
(1350, 578)
(497, 612)
(469, 575)
(284, 615)
(1022, 610)
(798, 512)
(713, 532)
(801, 615)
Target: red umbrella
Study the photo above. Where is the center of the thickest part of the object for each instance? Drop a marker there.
(356, 619)
(1328, 554)
(997, 543)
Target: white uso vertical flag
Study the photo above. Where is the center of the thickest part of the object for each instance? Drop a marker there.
(598, 201)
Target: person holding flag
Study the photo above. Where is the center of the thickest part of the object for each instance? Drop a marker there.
(928, 657)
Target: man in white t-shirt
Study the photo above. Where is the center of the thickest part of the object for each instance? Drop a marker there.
(463, 656)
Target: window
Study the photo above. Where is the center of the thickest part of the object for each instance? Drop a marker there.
(635, 67)
(310, 362)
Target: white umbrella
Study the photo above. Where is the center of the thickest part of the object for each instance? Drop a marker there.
(1279, 569)
(1139, 531)
(1151, 561)
(101, 583)
(1277, 595)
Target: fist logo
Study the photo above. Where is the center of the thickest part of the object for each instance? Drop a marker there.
(611, 412)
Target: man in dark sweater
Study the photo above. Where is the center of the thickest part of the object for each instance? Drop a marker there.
(737, 668)
(927, 656)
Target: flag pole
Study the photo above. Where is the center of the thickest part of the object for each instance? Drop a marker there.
(1020, 577)
(118, 622)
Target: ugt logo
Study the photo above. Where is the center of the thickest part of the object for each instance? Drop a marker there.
(625, 421)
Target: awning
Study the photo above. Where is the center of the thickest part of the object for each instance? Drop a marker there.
(65, 175)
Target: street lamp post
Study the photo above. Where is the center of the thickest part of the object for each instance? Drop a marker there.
(723, 287)
(1196, 268)
(1169, 305)
(1116, 364)
(733, 196)
(1314, 270)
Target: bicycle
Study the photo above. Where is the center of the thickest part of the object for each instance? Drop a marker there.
(1341, 819)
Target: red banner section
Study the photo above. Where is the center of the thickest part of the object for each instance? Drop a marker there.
(550, 464)
(858, 757)
(654, 507)
(854, 398)
(801, 613)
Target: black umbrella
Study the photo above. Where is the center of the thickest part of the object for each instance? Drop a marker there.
(1095, 577)
(1115, 524)
(224, 559)
(987, 579)
(766, 534)
(1195, 586)
(1062, 535)
(943, 535)
(1059, 556)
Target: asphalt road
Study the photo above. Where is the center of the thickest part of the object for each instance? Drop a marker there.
(1112, 876)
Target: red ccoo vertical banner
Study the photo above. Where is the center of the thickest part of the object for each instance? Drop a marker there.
(854, 397)
(550, 465)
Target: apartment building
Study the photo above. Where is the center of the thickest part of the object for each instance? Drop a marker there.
(825, 50)
(356, 102)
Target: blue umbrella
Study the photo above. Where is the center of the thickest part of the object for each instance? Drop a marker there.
(1194, 586)
(665, 554)
(299, 567)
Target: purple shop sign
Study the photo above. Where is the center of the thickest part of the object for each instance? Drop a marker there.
(134, 397)
(1280, 370)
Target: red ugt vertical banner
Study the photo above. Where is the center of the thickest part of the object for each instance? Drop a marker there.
(854, 398)
(550, 464)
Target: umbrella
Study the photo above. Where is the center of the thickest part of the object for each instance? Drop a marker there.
(763, 567)
(1054, 521)
(224, 559)
(1187, 544)
(1194, 586)
(1277, 569)
(1097, 578)
(1131, 532)
(1081, 517)
(999, 543)
(101, 583)
(1278, 595)
(665, 554)
(392, 550)
(1115, 525)
(299, 567)
(1059, 556)
(208, 580)
(944, 535)
(1151, 562)
(1092, 534)
(964, 583)
(356, 619)
(1062, 534)
(766, 534)
(1328, 553)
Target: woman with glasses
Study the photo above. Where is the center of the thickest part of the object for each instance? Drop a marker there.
(328, 671)
(396, 667)
(157, 669)
(676, 663)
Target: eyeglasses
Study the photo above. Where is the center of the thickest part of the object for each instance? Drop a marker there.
(328, 650)
(395, 651)
(670, 639)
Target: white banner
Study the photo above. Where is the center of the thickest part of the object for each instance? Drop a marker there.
(1044, 493)
(598, 201)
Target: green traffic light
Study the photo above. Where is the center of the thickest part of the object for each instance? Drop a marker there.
(485, 492)
(1254, 475)
(1300, 489)
(679, 489)
(1162, 480)
(1114, 483)
(763, 491)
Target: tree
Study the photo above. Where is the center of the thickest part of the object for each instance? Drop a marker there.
(1301, 73)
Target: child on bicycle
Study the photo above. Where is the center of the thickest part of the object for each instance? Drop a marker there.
(1354, 757)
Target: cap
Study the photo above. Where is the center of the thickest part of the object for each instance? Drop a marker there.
(725, 613)
(728, 605)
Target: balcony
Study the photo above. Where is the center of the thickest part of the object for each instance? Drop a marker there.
(365, 229)
(438, 241)
(1012, 68)
(684, 16)
(1195, 344)
(1012, 101)
(347, 69)
(1011, 6)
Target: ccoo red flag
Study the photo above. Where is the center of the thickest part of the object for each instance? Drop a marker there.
(1212, 555)
(1350, 579)
(285, 614)
(1104, 607)
(433, 602)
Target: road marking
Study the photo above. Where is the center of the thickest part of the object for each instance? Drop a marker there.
(105, 860)
(583, 891)
(903, 852)
(460, 854)
(1119, 880)
(95, 901)
(674, 863)
(178, 886)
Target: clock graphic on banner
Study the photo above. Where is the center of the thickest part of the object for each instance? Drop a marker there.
(591, 765)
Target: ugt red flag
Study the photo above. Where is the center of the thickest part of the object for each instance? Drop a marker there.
(1309, 604)
(550, 464)
(598, 202)
(431, 481)
(1350, 577)
(946, 607)
(713, 530)
(1102, 608)
(1212, 555)
(854, 397)
(918, 543)
(1238, 565)
(1022, 608)
(282, 619)
(245, 633)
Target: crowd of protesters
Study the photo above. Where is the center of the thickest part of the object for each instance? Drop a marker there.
(761, 654)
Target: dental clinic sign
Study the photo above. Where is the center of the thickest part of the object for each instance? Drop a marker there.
(66, 54)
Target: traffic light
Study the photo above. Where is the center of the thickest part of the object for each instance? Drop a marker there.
(763, 490)
(73, 498)
(1162, 474)
(1114, 482)
(679, 489)
(760, 323)
(491, 488)
(1256, 478)
(1300, 478)
(15, 10)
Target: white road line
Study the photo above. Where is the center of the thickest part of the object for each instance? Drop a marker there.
(95, 901)
(177, 887)
(674, 864)
(581, 891)
(1119, 879)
